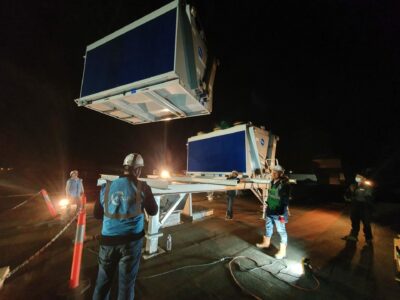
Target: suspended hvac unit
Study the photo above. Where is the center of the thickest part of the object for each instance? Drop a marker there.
(155, 69)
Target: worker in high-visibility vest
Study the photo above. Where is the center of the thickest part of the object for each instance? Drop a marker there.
(74, 189)
(277, 211)
(121, 205)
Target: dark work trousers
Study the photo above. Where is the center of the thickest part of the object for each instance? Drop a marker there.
(124, 258)
(361, 212)
(230, 197)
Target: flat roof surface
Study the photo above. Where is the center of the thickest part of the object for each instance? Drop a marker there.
(343, 270)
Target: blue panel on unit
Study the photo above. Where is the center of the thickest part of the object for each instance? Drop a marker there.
(223, 153)
(143, 52)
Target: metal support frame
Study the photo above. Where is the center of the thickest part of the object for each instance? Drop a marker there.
(264, 202)
(188, 209)
(154, 225)
(253, 149)
(221, 181)
(162, 188)
(153, 231)
(128, 109)
(185, 192)
(166, 104)
(257, 193)
(173, 207)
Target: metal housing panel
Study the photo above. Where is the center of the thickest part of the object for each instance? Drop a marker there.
(161, 102)
(151, 70)
(218, 154)
(143, 52)
(243, 148)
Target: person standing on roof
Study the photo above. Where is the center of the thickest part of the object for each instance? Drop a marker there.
(361, 197)
(230, 195)
(121, 205)
(277, 210)
(74, 189)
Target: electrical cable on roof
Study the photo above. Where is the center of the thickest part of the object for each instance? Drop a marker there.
(273, 274)
(185, 267)
(232, 259)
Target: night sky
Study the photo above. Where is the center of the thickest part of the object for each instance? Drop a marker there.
(323, 75)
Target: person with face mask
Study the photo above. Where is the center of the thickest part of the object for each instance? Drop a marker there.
(361, 197)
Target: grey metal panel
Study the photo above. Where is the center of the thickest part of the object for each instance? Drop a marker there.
(160, 102)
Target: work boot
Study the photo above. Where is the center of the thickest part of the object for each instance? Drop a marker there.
(265, 243)
(228, 217)
(350, 237)
(282, 252)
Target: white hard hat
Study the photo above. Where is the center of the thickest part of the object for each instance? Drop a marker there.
(235, 173)
(72, 172)
(278, 168)
(134, 160)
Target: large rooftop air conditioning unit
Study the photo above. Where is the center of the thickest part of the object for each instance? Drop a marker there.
(156, 68)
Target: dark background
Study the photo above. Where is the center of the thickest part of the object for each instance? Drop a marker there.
(323, 75)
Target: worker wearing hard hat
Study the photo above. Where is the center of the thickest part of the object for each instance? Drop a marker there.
(74, 189)
(277, 210)
(361, 197)
(121, 207)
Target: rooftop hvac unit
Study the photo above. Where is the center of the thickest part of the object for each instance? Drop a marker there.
(246, 149)
(155, 69)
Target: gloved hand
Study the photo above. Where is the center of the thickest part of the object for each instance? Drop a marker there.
(145, 186)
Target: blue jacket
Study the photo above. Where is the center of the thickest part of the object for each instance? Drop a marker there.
(74, 187)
